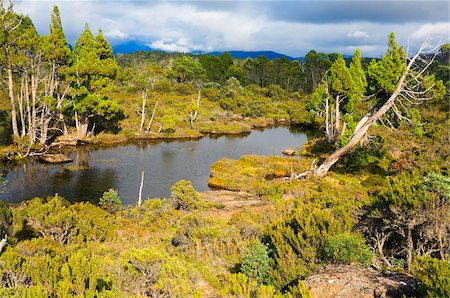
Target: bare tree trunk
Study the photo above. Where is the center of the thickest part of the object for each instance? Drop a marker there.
(143, 110)
(409, 247)
(21, 109)
(327, 126)
(336, 132)
(12, 102)
(197, 106)
(82, 125)
(149, 127)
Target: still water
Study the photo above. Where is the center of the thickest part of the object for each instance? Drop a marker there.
(95, 169)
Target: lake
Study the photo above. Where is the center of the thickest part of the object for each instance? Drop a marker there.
(98, 168)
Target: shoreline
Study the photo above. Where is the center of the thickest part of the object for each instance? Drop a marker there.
(13, 154)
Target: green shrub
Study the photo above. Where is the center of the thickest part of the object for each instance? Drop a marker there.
(6, 219)
(56, 219)
(347, 248)
(255, 261)
(169, 122)
(434, 274)
(185, 197)
(111, 201)
(153, 273)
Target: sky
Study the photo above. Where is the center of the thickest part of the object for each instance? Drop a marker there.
(288, 27)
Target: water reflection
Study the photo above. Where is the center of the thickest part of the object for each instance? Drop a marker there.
(97, 168)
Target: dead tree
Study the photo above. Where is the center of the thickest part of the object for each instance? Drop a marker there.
(405, 92)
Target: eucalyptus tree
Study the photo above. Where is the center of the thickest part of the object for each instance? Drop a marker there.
(315, 65)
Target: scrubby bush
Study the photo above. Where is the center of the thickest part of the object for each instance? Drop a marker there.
(153, 273)
(255, 261)
(169, 122)
(56, 219)
(111, 201)
(434, 274)
(347, 248)
(6, 219)
(185, 197)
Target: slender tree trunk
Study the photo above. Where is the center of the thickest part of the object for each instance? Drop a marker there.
(140, 189)
(327, 126)
(149, 127)
(197, 106)
(409, 247)
(12, 102)
(336, 132)
(21, 109)
(143, 110)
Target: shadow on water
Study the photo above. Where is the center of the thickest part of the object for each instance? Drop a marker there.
(96, 168)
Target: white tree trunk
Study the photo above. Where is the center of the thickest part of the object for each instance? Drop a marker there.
(12, 102)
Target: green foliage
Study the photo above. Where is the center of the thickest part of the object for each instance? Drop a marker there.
(169, 121)
(185, 197)
(385, 73)
(405, 191)
(434, 274)
(187, 69)
(255, 261)
(300, 290)
(357, 74)
(239, 286)
(416, 118)
(438, 185)
(110, 200)
(6, 219)
(152, 272)
(58, 220)
(347, 248)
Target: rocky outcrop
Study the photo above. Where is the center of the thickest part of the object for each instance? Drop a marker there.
(54, 158)
(288, 152)
(350, 281)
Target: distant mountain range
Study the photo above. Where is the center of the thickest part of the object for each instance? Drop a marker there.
(133, 46)
(255, 54)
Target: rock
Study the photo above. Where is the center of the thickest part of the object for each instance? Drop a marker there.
(54, 158)
(350, 281)
(289, 152)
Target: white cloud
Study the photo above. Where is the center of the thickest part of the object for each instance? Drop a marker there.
(437, 31)
(182, 45)
(116, 34)
(358, 34)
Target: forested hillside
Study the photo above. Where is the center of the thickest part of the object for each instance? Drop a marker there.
(371, 191)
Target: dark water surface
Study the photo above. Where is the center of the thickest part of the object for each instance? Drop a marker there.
(95, 169)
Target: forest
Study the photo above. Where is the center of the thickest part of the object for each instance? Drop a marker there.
(371, 191)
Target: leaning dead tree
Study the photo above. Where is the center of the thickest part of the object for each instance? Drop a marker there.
(410, 89)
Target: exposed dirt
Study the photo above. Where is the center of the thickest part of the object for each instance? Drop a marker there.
(229, 202)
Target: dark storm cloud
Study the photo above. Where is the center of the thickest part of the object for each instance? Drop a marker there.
(393, 12)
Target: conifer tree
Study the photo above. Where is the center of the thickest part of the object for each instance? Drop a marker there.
(93, 72)
(58, 54)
